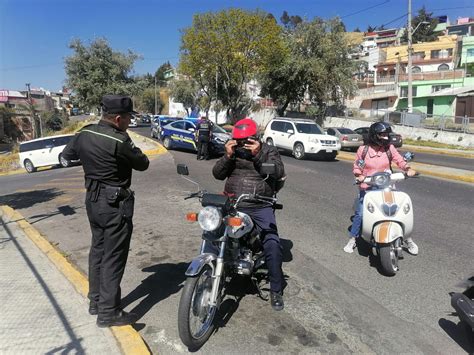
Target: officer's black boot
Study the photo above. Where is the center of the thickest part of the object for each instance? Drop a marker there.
(276, 299)
(118, 319)
(93, 308)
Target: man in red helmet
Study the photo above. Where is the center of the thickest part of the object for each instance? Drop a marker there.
(240, 165)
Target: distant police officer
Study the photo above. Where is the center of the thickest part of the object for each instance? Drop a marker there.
(203, 137)
(108, 156)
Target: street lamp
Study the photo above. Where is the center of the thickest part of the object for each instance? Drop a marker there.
(410, 50)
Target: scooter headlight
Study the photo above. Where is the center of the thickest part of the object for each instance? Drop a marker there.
(382, 181)
(406, 208)
(209, 218)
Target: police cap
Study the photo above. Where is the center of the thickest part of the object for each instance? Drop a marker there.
(117, 104)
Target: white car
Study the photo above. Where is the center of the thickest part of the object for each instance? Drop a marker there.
(302, 137)
(44, 152)
(133, 122)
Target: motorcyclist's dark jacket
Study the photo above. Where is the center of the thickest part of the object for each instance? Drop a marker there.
(243, 175)
(204, 128)
(107, 154)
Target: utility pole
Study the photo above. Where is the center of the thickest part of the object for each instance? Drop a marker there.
(410, 50)
(155, 96)
(215, 107)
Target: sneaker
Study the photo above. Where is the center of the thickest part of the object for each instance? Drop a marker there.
(412, 247)
(350, 246)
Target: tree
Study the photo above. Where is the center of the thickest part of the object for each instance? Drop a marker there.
(145, 101)
(186, 92)
(290, 21)
(96, 70)
(317, 67)
(160, 73)
(424, 32)
(357, 29)
(371, 29)
(223, 51)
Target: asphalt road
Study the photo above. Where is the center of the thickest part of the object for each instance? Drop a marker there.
(335, 302)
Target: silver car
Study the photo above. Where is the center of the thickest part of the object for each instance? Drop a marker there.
(349, 139)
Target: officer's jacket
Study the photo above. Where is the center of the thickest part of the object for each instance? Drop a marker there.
(243, 175)
(204, 128)
(107, 154)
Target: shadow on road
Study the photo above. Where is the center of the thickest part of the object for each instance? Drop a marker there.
(20, 200)
(461, 333)
(165, 280)
(64, 210)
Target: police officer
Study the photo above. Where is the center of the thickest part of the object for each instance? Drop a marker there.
(203, 135)
(108, 156)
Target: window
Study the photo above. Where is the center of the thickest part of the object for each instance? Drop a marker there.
(443, 67)
(442, 53)
(277, 126)
(188, 125)
(404, 91)
(288, 126)
(308, 128)
(331, 132)
(178, 125)
(418, 56)
(345, 131)
(435, 88)
(470, 52)
(416, 69)
(62, 141)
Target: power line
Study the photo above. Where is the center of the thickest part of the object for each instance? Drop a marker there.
(367, 8)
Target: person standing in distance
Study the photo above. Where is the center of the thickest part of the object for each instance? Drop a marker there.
(108, 157)
(203, 135)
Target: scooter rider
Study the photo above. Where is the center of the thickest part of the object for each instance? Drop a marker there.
(373, 158)
(241, 165)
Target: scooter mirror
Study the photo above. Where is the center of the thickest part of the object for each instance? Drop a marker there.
(182, 169)
(408, 156)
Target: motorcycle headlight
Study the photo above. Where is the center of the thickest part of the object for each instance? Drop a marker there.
(209, 218)
(313, 139)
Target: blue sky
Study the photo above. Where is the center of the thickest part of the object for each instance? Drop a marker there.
(34, 34)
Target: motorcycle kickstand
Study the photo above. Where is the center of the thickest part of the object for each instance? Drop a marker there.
(257, 286)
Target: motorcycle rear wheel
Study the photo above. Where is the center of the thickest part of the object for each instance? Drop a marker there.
(195, 314)
(388, 259)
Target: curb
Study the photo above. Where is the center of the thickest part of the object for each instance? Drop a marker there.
(459, 154)
(159, 149)
(422, 168)
(127, 337)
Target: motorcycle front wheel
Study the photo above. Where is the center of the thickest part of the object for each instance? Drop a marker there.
(195, 314)
(388, 258)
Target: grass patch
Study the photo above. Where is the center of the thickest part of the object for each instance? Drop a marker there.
(432, 144)
(9, 162)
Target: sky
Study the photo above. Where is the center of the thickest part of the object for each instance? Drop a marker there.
(34, 34)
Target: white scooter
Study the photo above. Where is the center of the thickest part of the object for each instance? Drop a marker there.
(387, 219)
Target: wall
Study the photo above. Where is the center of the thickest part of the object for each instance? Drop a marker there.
(467, 42)
(461, 139)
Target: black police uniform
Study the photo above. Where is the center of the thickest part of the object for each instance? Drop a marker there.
(204, 128)
(108, 156)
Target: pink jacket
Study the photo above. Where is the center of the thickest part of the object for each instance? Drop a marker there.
(376, 161)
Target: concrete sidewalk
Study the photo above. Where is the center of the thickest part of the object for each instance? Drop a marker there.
(41, 311)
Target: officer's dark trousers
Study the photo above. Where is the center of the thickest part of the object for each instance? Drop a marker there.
(264, 219)
(111, 234)
(203, 147)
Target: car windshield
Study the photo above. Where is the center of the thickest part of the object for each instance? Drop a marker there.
(217, 129)
(345, 130)
(308, 128)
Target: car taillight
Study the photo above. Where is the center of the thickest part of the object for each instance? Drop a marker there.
(344, 138)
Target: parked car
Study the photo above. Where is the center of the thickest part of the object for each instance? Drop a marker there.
(180, 134)
(349, 139)
(157, 124)
(133, 122)
(44, 151)
(145, 119)
(302, 137)
(396, 139)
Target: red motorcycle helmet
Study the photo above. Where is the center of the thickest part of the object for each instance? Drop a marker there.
(244, 128)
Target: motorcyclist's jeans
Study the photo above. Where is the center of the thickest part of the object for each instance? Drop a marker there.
(264, 219)
(357, 221)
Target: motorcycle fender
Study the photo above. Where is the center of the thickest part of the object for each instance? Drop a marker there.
(387, 232)
(198, 263)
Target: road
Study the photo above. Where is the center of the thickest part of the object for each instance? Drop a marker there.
(335, 302)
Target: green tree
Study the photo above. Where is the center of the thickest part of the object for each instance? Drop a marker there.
(425, 31)
(317, 67)
(145, 101)
(96, 70)
(371, 29)
(186, 92)
(223, 51)
(290, 21)
(160, 73)
(357, 29)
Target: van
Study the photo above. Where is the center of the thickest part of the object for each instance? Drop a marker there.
(44, 151)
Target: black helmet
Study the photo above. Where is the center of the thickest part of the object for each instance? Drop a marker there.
(376, 129)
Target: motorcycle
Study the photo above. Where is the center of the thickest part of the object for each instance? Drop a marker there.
(463, 303)
(230, 247)
(387, 219)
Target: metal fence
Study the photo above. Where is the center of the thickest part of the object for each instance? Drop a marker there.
(463, 124)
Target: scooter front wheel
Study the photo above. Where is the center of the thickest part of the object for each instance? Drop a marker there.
(195, 314)
(388, 259)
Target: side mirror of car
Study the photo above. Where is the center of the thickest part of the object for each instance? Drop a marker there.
(268, 169)
(408, 156)
(182, 169)
(191, 129)
(290, 131)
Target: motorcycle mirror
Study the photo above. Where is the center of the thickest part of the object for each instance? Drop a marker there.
(182, 169)
(268, 169)
(408, 156)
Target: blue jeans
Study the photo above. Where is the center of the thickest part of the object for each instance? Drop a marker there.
(357, 221)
